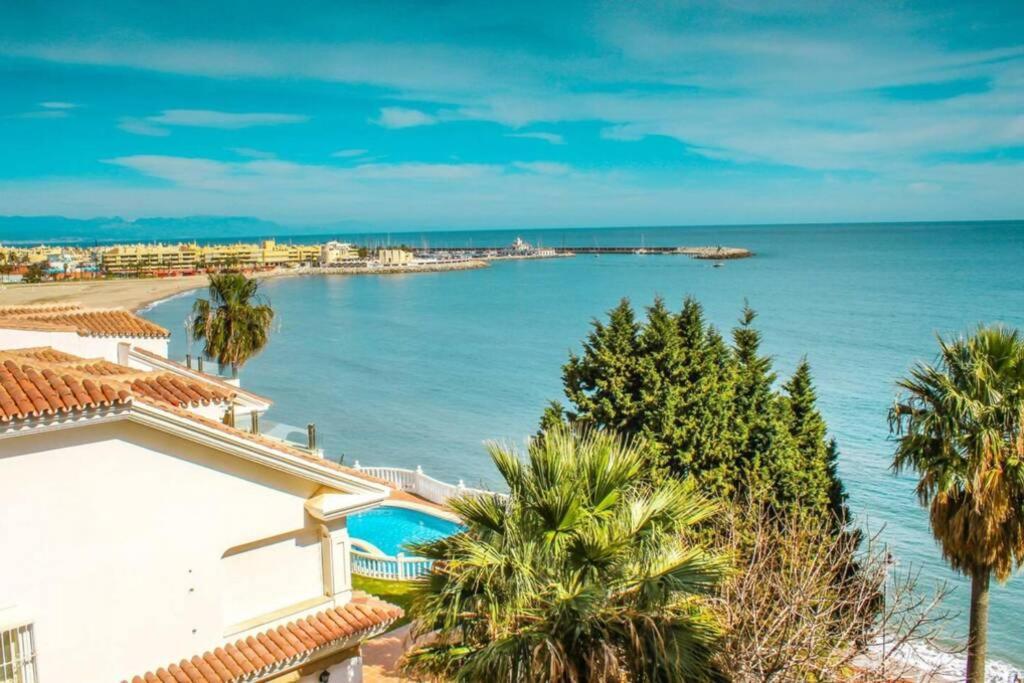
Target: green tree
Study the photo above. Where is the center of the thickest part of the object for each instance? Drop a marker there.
(234, 323)
(604, 384)
(710, 410)
(816, 473)
(585, 572)
(36, 273)
(959, 427)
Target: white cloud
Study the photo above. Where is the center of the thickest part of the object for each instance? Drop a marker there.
(805, 92)
(141, 127)
(421, 196)
(156, 126)
(253, 153)
(208, 118)
(553, 138)
(400, 117)
(58, 105)
(43, 114)
(542, 167)
(349, 153)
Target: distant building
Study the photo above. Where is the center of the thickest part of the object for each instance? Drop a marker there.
(336, 253)
(133, 258)
(394, 257)
(146, 538)
(148, 258)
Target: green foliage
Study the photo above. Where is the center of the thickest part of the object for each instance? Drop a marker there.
(35, 273)
(396, 592)
(710, 410)
(586, 572)
(234, 323)
(960, 427)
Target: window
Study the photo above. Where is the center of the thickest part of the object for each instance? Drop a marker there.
(18, 655)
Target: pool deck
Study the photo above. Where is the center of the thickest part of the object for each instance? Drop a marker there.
(400, 496)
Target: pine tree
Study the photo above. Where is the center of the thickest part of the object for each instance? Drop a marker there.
(603, 384)
(662, 393)
(753, 410)
(818, 482)
(709, 410)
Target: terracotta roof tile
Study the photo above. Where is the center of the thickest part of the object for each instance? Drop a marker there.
(44, 353)
(31, 389)
(212, 379)
(27, 391)
(88, 392)
(85, 321)
(280, 647)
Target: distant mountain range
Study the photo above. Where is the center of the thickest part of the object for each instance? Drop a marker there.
(59, 229)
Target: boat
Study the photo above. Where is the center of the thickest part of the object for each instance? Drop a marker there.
(717, 264)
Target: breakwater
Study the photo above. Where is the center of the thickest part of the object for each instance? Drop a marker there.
(716, 253)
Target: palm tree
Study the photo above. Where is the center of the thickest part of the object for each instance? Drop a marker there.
(959, 426)
(234, 323)
(585, 572)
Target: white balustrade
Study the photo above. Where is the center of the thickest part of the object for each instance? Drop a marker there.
(397, 568)
(423, 485)
(367, 560)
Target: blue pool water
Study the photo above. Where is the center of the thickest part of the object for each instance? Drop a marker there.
(421, 369)
(390, 528)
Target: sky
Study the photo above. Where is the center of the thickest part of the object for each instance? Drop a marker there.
(430, 115)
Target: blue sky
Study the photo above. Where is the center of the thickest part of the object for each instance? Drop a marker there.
(448, 114)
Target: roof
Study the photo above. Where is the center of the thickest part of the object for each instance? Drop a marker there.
(151, 357)
(31, 389)
(28, 391)
(280, 648)
(40, 382)
(87, 322)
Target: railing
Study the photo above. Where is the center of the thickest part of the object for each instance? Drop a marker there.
(424, 486)
(372, 563)
(368, 560)
(297, 437)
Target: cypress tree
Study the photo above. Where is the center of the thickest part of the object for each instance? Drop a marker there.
(603, 384)
(662, 393)
(710, 410)
(753, 410)
(819, 480)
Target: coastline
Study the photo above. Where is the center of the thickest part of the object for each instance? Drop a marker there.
(136, 294)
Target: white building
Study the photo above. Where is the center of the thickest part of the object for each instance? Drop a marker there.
(336, 253)
(142, 534)
(84, 332)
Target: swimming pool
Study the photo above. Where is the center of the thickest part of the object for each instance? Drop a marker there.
(390, 528)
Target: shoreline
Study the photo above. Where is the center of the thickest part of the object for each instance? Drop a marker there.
(137, 294)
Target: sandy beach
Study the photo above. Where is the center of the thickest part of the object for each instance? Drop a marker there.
(130, 294)
(134, 294)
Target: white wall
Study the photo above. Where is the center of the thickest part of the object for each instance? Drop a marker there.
(348, 671)
(260, 579)
(113, 537)
(72, 342)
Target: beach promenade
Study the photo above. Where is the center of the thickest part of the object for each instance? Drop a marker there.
(137, 293)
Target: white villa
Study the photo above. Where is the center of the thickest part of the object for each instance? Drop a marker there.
(144, 539)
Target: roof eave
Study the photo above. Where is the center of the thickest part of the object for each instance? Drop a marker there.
(198, 432)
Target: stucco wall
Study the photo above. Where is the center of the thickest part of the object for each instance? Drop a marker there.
(113, 537)
(348, 671)
(72, 342)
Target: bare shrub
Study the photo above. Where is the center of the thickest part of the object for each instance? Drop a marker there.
(805, 604)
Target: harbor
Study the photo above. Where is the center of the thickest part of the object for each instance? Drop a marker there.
(522, 249)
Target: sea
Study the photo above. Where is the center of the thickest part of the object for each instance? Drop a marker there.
(421, 370)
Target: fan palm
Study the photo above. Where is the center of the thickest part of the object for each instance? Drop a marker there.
(585, 572)
(959, 426)
(234, 323)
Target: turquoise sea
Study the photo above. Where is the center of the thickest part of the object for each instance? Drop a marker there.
(422, 369)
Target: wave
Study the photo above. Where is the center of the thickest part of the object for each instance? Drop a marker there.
(153, 304)
(933, 664)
